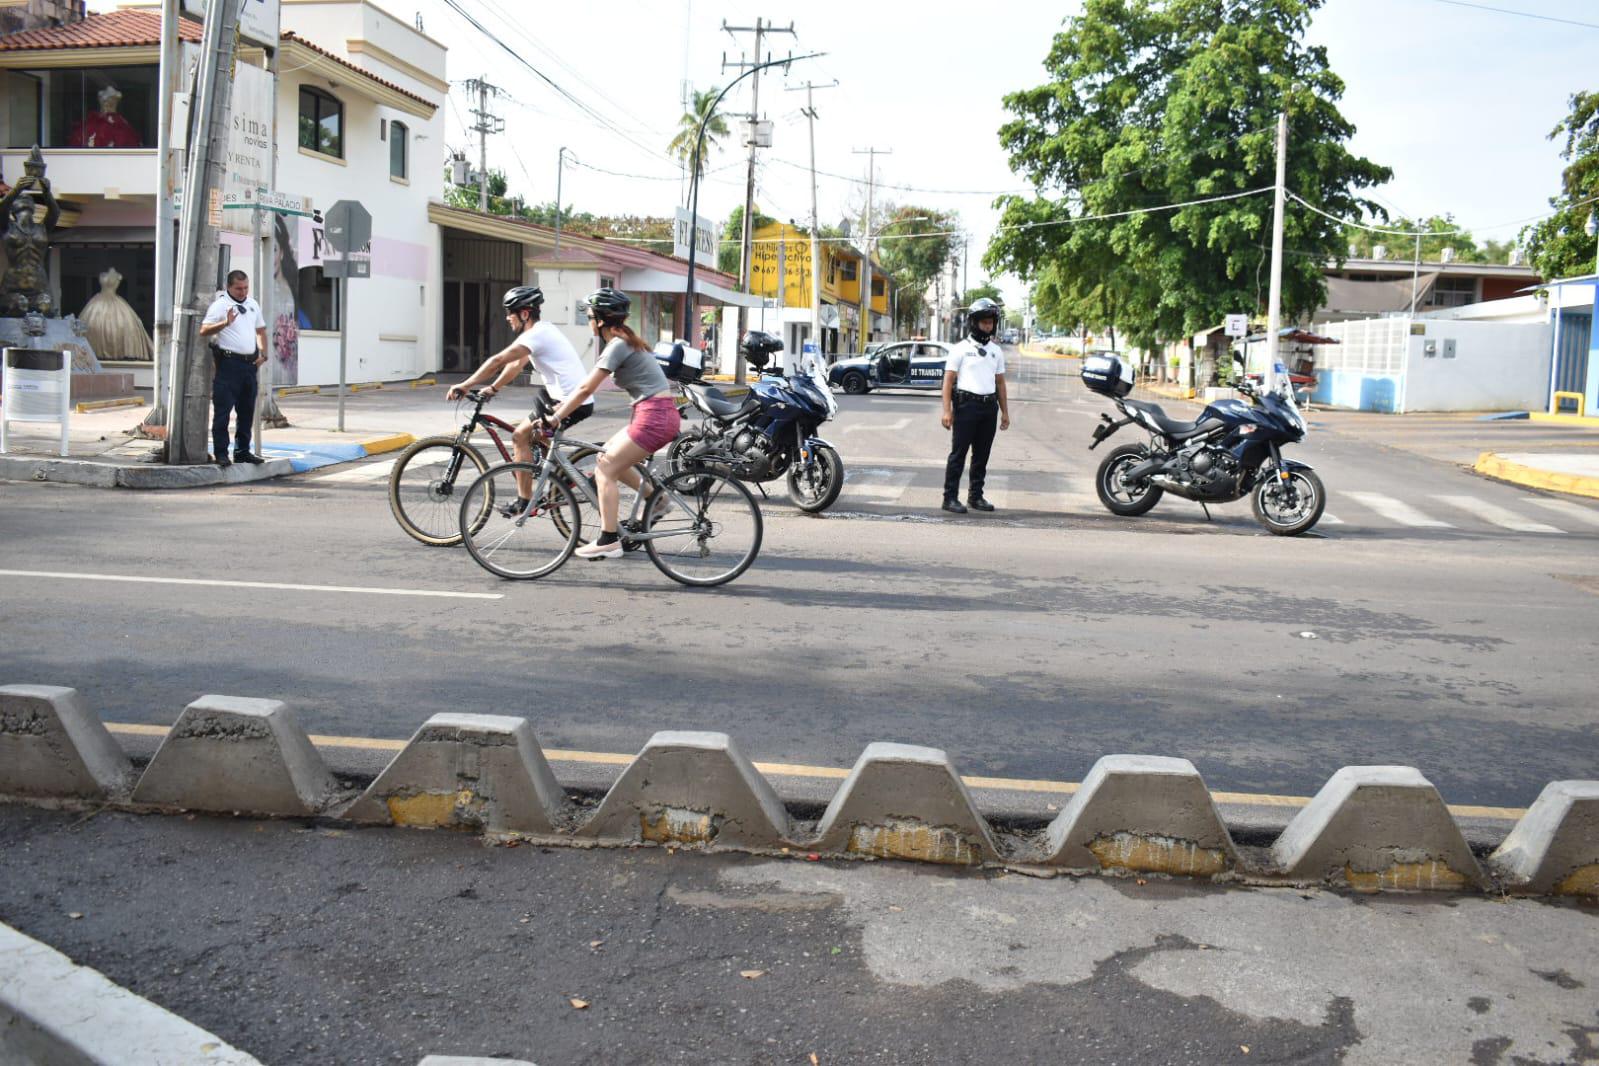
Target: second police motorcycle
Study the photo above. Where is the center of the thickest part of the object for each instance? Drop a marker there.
(770, 433)
(1233, 450)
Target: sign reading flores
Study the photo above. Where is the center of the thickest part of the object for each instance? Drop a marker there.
(704, 237)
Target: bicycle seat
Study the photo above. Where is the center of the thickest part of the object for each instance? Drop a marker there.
(1172, 427)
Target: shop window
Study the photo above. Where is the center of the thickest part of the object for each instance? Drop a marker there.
(399, 145)
(318, 300)
(1454, 292)
(97, 107)
(321, 122)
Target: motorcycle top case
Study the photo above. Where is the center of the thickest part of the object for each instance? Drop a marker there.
(1107, 375)
(680, 361)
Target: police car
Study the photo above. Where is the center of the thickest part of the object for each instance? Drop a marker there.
(907, 365)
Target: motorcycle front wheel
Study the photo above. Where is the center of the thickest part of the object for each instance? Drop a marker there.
(1119, 498)
(816, 489)
(1289, 507)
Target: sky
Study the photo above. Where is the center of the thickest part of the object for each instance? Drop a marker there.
(1458, 101)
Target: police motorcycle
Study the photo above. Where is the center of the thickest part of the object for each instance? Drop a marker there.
(771, 432)
(1234, 450)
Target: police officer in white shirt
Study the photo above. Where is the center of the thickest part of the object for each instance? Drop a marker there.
(237, 332)
(974, 403)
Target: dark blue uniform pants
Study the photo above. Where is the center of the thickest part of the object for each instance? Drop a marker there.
(974, 427)
(233, 389)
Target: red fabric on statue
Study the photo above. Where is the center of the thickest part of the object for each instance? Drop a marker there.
(105, 129)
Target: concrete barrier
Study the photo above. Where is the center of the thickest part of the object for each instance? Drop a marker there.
(53, 747)
(1376, 828)
(227, 753)
(691, 789)
(470, 1060)
(1142, 814)
(53, 1011)
(906, 802)
(467, 771)
(1554, 849)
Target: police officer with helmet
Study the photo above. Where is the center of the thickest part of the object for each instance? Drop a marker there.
(975, 403)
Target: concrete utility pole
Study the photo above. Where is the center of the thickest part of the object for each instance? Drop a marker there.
(487, 123)
(1274, 305)
(265, 285)
(166, 217)
(760, 30)
(871, 155)
(560, 172)
(198, 245)
(816, 252)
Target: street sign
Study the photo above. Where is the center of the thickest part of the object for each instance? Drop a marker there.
(347, 227)
(1237, 325)
(267, 200)
(350, 267)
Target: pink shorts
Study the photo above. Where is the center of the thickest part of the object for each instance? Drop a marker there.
(655, 423)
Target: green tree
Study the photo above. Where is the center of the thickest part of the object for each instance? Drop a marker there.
(728, 252)
(1559, 246)
(466, 196)
(682, 146)
(1157, 102)
(985, 288)
(1441, 231)
(914, 246)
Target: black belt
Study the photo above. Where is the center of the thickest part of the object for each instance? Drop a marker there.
(223, 353)
(977, 397)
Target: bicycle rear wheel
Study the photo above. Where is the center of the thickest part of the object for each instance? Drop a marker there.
(425, 484)
(513, 541)
(712, 541)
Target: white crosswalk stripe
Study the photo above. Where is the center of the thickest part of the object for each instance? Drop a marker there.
(1496, 515)
(877, 486)
(364, 473)
(996, 490)
(1566, 509)
(1397, 510)
(1327, 519)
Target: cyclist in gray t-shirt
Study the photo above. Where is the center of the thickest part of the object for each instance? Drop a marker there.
(655, 421)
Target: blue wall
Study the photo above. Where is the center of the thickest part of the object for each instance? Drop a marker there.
(1363, 392)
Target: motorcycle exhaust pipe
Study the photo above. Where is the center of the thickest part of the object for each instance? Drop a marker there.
(1144, 469)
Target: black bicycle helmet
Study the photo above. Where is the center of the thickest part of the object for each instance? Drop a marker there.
(522, 298)
(983, 307)
(759, 347)
(610, 306)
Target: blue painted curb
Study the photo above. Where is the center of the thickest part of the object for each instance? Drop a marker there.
(303, 457)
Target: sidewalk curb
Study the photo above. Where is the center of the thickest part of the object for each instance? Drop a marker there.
(1500, 469)
(282, 460)
(54, 1010)
(1029, 352)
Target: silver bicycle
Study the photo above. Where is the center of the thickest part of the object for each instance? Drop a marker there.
(698, 528)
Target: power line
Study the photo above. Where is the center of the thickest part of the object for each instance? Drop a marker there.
(1438, 233)
(1523, 14)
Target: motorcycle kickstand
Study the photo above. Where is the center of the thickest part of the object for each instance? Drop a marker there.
(764, 496)
(1202, 507)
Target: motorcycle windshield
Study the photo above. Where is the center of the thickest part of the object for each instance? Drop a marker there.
(813, 369)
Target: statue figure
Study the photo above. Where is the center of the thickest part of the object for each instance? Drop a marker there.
(111, 323)
(27, 243)
(106, 128)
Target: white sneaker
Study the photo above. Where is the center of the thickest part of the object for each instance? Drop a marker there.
(597, 550)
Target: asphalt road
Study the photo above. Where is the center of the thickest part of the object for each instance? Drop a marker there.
(319, 945)
(1442, 620)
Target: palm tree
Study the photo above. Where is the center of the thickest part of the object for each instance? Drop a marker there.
(688, 127)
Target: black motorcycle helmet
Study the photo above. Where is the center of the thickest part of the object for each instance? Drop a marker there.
(759, 347)
(523, 298)
(984, 308)
(608, 306)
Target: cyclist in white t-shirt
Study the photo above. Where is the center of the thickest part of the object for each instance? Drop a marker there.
(554, 359)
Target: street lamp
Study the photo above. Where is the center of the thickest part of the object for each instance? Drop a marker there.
(694, 182)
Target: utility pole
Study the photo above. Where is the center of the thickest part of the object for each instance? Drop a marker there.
(166, 217)
(871, 155)
(198, 244)
(1274, 305)
(760, 30)
(816, 253)
(560, 171)
(487, 123)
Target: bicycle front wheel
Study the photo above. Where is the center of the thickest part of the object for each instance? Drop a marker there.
(513, 538)
(707, 530)
(425, 488)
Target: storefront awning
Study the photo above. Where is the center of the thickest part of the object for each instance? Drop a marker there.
(649, 279)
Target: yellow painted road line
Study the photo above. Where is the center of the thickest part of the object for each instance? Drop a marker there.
(833, 773)
(141, 580)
